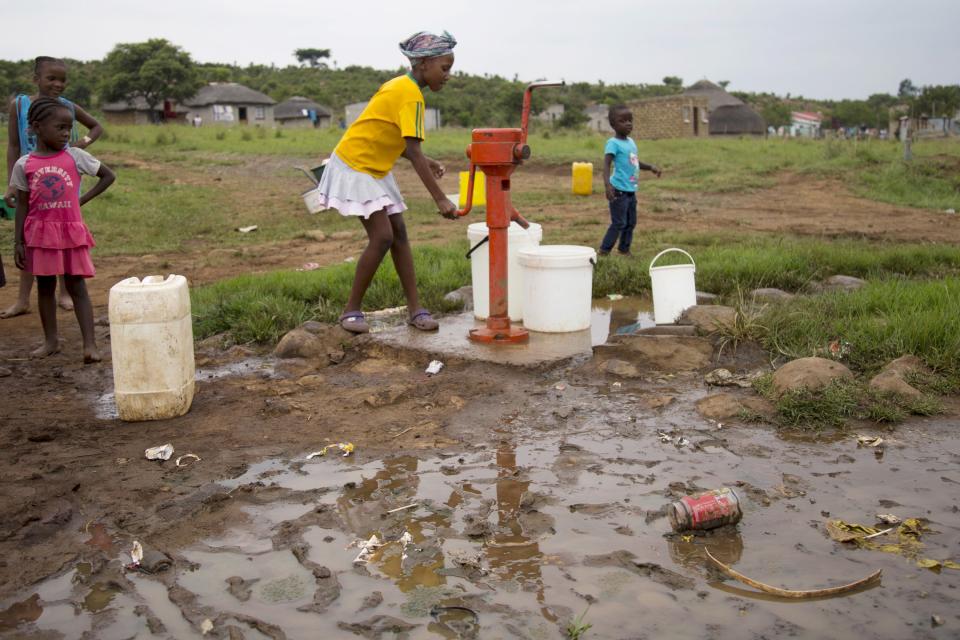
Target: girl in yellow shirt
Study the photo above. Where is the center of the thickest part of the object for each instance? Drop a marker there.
(358, 181)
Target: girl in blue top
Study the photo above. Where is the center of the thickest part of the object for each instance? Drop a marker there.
(50, 76)
(621, 187)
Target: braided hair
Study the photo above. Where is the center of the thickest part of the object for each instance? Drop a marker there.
(39, 61)
(42, 108)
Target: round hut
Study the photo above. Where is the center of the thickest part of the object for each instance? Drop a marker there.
(728, 115)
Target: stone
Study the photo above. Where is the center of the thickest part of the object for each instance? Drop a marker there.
(312, 380)
(464, 295)
(809, 373)
(905, 365)
(387, 396)
(842, 283)
(707, 298)
(313, 326)
(770, 294)
(5, 372)
(667, 330)
(315, 234)
(341, 235)
(708, 318)
(298, 343)
(659, 353)
(621, 368)
(893, 382)
(719, 406)
(658, 402)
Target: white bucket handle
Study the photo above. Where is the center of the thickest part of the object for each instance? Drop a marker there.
(657, 257)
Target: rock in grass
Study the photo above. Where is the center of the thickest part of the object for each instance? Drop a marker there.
(893, 377)
(808, 373)
(843, 283)
(708, 318)
(464, 295)
(299, 343)
(770, 294)
(315, 234)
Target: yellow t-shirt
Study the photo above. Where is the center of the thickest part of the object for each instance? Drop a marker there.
(375, 140)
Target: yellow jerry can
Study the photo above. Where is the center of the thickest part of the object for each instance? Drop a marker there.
(479, 189)
(582, 178)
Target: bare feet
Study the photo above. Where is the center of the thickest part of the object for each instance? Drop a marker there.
(16, 309)
(91, 355)
(47, 349)
(65, 303)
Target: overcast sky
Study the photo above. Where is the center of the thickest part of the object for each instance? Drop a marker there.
(815, 48)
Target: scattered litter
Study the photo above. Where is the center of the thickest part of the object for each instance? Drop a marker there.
(309, 266)
(724, 378)
(186, 456)
(405, 539)
(206, 626)
(367, 547)
(936, 565)
(719, 426)
(136, 554)
(617, 385)
(908, 542)
(614, 296)
(252, 227)
(560, 386)
(794, 594)
(434, 367)
(936, 620)
(869, 441)
(949, 211)
(401, 433)
(349, 259)
(839, 349)
(679, 441)
(409, 506)
(707, 510)
(162, 452)
(888, 518)
(346, 447)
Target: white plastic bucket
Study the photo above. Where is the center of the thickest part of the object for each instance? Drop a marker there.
(151, 339)
(557, 287)
(517, 238)
(673, 287)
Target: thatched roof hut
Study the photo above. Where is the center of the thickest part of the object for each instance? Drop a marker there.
(728, 115)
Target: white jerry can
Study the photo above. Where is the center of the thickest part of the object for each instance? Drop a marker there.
(151, 339)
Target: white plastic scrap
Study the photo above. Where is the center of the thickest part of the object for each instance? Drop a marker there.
(186, 456)
(206, 626)
(366, 548)
(405, 539)
(162, 452)
(252, 227)
(434, 367)
(346, 447)
(666, 438)
(614, 296)
(950, 211)
(136, 553)
(888, 518)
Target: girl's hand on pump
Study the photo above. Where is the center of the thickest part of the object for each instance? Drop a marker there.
(447, 209)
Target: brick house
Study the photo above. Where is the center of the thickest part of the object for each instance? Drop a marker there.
(678, 116)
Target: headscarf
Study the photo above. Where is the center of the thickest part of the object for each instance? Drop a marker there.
(424, 44)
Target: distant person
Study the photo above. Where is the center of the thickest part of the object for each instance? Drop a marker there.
(51, 239)
(197, 120)
(358, 179)
(50, 76)
(621, 186)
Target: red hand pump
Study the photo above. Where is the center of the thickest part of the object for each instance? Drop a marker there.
(498, 152)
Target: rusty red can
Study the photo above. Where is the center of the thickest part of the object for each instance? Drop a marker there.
(707, 510)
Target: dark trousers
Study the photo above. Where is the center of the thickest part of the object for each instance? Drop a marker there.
(623, 218)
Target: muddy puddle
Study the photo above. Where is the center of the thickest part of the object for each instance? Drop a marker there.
(556, 517)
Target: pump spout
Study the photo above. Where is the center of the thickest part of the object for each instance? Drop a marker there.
(527, 97)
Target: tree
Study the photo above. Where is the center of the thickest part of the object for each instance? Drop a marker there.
(312, 56)
(673, 81)
(907, 90)
(155, 70)
(939, 100)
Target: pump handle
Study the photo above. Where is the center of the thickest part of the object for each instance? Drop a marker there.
(525, 114)
(469, 205)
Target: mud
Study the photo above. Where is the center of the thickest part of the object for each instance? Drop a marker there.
(537, 492)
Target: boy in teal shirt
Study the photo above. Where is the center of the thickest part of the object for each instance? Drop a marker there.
(621, 187)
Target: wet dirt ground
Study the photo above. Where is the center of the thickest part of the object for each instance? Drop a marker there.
(536, 492)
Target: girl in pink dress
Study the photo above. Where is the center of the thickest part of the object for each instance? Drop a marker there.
(51, 238)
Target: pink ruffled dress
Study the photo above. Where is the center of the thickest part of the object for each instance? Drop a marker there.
(56, 239)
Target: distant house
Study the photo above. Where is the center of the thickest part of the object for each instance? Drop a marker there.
(551, 114)
(728, 115)
(805, 124)
(598, 118)
(302, 112)
(137, 111)
(229, 103)
(431, 117)
(678, 116)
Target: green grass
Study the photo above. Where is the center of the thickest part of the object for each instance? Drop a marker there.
(261, 308)
(882, 321)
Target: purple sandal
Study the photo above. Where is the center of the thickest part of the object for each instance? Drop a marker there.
(424, 321)
(354, 322)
